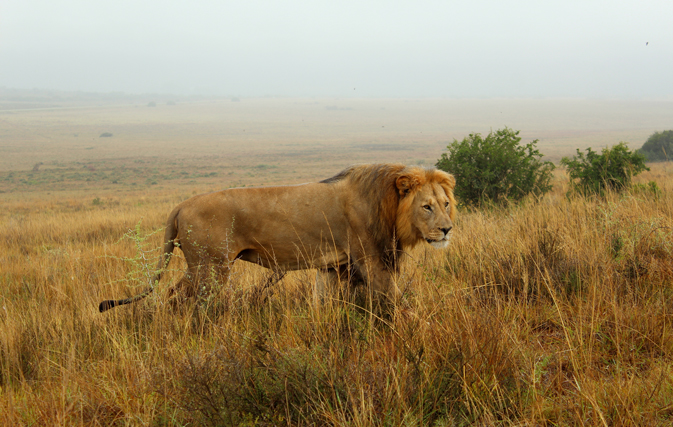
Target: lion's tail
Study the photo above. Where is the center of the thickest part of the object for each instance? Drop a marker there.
(169, 244)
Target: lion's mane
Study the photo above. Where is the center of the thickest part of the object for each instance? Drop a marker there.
(389, 218)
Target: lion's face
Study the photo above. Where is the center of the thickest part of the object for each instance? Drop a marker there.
(431, 209)
(426, 209)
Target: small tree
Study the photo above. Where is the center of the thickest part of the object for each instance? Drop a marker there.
(496, 168)
(612, 169)
(658, 147)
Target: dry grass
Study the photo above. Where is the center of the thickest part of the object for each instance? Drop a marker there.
(556, 312)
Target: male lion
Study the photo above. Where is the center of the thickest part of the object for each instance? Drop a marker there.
(354, 226)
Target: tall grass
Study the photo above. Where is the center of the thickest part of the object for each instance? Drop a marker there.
(555, 312)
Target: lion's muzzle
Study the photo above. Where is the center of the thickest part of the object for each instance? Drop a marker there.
(442, 240)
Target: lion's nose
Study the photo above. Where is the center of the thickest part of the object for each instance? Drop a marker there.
(446, 230)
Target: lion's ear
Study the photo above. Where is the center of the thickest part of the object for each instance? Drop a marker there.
(405, 184)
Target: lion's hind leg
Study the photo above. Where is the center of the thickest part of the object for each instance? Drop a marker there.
(200, 281)
(324, 282)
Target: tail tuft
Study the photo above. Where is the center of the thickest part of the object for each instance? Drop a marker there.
(106, 305)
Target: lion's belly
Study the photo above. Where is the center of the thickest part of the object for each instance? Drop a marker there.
(292, 256)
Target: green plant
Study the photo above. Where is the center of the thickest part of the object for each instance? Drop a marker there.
(143, 263)
(651, 189)
(610, 170)
(658, 147)
(496, 168)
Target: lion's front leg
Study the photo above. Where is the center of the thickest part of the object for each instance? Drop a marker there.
(384, 293)
(382, 283)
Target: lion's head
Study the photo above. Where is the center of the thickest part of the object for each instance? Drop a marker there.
(426, 207)
(409, 204)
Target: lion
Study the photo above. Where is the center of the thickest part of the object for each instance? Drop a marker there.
(355, 226)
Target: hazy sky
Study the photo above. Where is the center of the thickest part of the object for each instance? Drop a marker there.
(476, 48)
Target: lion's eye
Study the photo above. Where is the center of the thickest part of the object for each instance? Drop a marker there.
(446, 205)
(427, 208)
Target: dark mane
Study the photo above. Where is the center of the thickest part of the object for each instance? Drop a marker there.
(376, 183)
(338, 177)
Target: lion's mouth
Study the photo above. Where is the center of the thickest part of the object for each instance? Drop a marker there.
(439, 244)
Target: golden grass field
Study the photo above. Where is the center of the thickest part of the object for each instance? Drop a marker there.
(555, 312)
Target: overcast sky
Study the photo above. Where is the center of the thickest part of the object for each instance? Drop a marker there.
(476, 48)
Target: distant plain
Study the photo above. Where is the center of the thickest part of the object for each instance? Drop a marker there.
(206, 144)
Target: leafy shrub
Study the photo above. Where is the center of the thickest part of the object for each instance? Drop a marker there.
(658, 147)
(610, 170)
(651, 189)
(105, 135)
(496, 168)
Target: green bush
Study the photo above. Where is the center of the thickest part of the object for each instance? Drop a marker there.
(610, 170)
(496, 168)
(658, 147)
(649, 189)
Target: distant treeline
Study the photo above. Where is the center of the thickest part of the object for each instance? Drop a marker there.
(658, 147)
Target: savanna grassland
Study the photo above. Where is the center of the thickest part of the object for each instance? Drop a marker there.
(558, 311)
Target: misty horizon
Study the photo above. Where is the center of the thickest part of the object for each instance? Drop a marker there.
(484, 49)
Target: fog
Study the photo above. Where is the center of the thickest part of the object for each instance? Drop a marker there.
(479, 49)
